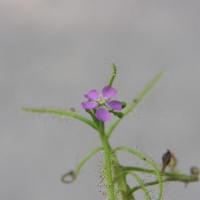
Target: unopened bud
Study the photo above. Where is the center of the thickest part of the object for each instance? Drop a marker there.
(119, 114)
(123, 103)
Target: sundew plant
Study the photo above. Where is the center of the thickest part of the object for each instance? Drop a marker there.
(100, 108)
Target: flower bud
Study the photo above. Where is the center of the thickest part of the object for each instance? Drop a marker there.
(123, 103)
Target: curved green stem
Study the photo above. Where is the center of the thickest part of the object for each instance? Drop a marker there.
(169, 176)
(142, 185)
(80, 165)
(135, 103)
(150, 163)
(134, 189)
(172, 175)
(185, 179)
(138, 169)
(61, 113)
(86, 158)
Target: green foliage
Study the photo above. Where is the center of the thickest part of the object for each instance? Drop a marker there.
(113, 174)
(61, 113)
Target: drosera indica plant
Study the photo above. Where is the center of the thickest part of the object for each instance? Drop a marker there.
(100, 107)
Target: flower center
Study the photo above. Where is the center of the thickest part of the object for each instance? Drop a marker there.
(101, 101)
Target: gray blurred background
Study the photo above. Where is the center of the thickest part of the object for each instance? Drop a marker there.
(52, 52)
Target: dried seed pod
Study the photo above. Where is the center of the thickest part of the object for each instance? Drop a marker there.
(173, 163)
(170, 160)
(194, 171)
(166, 158)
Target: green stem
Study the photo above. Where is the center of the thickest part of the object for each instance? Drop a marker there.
(150, 163)
(75, 173)
(135, 103)
(170, 175)
(108, 165)
(120, 178)
(138, 169)
(86, 158)
(142, 185)
(185, 179)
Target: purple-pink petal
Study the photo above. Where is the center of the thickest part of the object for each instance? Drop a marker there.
(115, 105)
(102, 114)
(109, 92)
(92, 95)
(89, 105)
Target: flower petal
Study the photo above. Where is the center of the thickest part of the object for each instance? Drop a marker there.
(109, 92)
(89, 105)
(102, 114)
(92, 95)
(115, 105)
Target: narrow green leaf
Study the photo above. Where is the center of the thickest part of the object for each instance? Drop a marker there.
(142, 185)
(149, 162)
(136, 101)
(61, 113)
(80, 165)
(113, 74)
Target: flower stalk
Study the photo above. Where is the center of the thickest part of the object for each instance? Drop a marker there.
(108, 164)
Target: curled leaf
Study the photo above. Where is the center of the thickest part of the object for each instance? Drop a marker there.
(69, 177)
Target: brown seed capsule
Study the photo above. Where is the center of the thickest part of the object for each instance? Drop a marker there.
(194, 171)
(166, 158)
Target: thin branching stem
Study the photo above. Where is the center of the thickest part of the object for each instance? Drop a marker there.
(86, 158)
(75, 173)
(150, 163)
(135, 103)
(142, 185)
(185, 179)
(170, 175)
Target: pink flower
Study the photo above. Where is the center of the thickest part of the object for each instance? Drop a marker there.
(102, 103)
